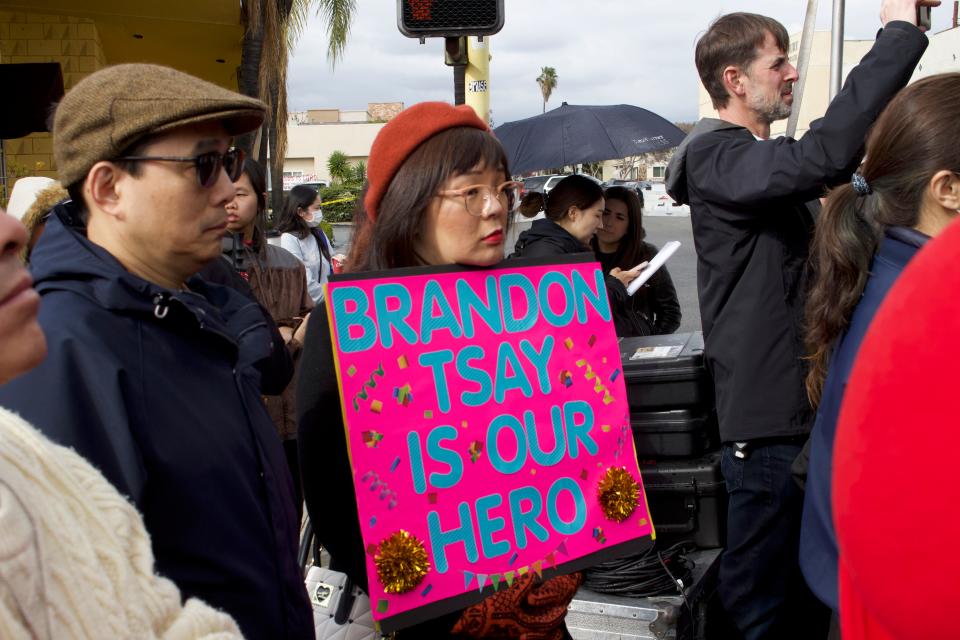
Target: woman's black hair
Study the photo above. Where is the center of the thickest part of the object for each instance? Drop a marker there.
(289, 220)
(573, 191)
(301, 197)
(914, 138)
(631, 251)
(258, 182)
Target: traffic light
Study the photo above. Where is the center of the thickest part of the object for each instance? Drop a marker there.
(449, 18)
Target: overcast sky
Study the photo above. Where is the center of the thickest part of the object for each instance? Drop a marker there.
(604, 51)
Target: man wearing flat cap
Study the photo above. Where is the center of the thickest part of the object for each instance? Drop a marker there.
(151, 371)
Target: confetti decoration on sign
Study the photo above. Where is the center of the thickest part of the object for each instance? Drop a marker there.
(618, 493)
(401, 562)
(369, 384)
(591, 340)
(395, 464)
(423, 594)
(427, 415)
(402, 362)
(376, 406)
(598, 535)
(513, 559)
(372, 438)
(475, 450)
(382, 606)
(351, 371)
(403, 395)
(568, 343)
(614, 375)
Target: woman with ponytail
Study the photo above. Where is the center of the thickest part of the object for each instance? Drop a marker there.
(906, 191)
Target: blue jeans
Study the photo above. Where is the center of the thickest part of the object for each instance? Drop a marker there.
(761, 587)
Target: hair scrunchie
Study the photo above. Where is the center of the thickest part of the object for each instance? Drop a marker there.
(860, 184)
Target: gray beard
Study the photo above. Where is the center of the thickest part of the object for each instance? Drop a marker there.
(772, 110)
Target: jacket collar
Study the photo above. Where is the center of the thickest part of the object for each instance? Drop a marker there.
(65, 259)
(900, 244)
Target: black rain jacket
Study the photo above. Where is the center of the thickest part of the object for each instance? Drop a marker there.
(752, 228)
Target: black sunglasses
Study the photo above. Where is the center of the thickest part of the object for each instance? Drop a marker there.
(207, 164)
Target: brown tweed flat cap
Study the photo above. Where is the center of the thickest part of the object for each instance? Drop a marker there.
(112, 108)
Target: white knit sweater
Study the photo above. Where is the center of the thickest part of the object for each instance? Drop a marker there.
(75, 559)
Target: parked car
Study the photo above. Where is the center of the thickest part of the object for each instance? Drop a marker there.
(536, 183)
(639, 186)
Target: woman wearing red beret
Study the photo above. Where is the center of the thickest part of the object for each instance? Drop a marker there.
(438, 192)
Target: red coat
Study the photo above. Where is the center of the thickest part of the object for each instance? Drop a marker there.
(896, 487)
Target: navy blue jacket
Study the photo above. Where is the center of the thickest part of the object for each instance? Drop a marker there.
(818, 540)
(158, 389)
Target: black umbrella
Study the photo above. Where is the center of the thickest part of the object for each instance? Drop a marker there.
(573, 134)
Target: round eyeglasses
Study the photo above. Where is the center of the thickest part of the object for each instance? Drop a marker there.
(478, 199)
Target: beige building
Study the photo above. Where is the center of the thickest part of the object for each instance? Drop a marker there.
(941, 56)
(314, 134)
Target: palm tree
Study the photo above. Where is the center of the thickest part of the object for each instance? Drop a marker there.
(272, 28)
(360, 172)
(548, 82)
(338, 166)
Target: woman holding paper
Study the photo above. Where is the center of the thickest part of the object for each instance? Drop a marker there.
(906, 192)
(619, 244)
(438, 192)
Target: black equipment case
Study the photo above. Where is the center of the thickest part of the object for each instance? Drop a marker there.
(665, 372)
(678, 433)
(687, 500)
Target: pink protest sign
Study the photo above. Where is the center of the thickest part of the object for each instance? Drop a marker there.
(488, 430)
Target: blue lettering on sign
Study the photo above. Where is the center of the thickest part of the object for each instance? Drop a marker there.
(357, 318)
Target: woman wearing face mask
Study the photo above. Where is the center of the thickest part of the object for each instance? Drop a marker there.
(438, 193)
(75, 558)
(278, 282)
(619, 243)
(906, 192)
(301, 235)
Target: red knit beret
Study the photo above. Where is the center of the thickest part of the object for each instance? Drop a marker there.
(402, 135)
(896, 477)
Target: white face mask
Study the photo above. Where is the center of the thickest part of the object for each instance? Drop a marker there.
(313, 219)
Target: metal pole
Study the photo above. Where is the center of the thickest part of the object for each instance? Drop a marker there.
(836, 48)
(477, 76)
(803, 63)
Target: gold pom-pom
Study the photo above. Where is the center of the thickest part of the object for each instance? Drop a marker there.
(618, 493)
(401, 562)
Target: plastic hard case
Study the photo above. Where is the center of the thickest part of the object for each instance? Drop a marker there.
(599, 616)
(687, 500)
(665, 372)
(678, 433)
